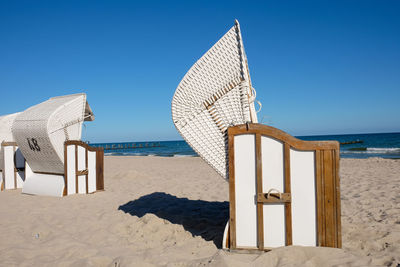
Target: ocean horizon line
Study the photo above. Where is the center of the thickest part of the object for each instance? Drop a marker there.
(297, 136)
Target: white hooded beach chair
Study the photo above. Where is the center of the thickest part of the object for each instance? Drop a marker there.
(58, 163)
(282, 191)
(12, 162)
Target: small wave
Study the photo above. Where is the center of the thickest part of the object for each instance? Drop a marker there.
(180, 156)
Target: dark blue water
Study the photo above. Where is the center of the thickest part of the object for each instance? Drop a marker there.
(384, 145)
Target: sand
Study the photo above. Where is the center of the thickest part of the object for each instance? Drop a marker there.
(172, 212)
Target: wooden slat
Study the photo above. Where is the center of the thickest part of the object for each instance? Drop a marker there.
(273, 198)
(259, 191)
(82, 172)
(320, 200)
(15, 170)
(99, 170)
(232, 199)
(338, 201)
(330, 226)
(288, 205)
(65, 192)
(87, 173)
(76, 169)
(3, 182)
(254, 128)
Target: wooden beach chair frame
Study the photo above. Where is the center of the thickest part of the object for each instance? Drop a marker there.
(83, 173)
(327, 192)
(83, 168)
(13, 175)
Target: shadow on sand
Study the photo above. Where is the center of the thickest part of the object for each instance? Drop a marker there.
(199, 217)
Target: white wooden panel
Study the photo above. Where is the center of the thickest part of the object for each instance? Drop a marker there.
(28, 170)
(273, 177)
(302, 171)
(81, 158)
(245, 190)
(8, 172)
(92, 171)
(71, 178)
(82, 184)
(20, 179)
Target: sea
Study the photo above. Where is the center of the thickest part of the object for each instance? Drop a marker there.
(383, 145)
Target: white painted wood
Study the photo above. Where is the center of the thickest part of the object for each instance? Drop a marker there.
(82, 184)
(1, 178)
(81, 158)
(81, 167)
(44, 184)
(273, 178)
(20, 175)
(91, 171)
(8, 172)
(71, 180)
(28, 170)
(302, 171)
(245, 190)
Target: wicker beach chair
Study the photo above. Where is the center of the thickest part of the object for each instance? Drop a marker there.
(214, 94)
(48, 135)
(282, 191)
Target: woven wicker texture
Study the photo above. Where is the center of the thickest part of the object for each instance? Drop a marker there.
(214, 94)
(6, 122)
(41, 130)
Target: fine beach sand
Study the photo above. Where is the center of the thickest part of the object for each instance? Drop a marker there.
(172, 212)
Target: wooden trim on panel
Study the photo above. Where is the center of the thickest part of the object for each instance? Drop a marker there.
(338, 201)
(76, 170)
(80, 143)
(65, 192)
(259, 192)
(328, 199)
(4, 143)
(15, 169)
(87, 173)
(232, 197)
(273, 198)
(3, 180)
(255, 128)
(99, 170)
(319, 185)
(287, 189)
(82, 172)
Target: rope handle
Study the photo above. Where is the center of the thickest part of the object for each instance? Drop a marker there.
(276, 190)
(252, 98)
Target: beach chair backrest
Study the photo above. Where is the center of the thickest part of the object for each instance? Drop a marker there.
(214, 94)
(282, 190)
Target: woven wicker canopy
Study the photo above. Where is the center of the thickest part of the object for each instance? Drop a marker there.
(214, 94)
(41, 130)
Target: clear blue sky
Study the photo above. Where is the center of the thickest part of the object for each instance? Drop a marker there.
(319, 67)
